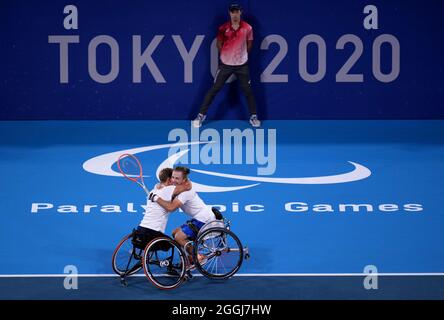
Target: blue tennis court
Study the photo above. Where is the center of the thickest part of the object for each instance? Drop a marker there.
(339, 197)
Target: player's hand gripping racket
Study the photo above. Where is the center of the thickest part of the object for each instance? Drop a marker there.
(130, 167)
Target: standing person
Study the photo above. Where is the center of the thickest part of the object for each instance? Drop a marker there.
(234, 42)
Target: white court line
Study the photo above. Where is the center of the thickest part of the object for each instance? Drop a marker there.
(237, 275)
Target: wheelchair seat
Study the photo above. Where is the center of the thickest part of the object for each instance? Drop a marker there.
(140, 241)
(163, 245)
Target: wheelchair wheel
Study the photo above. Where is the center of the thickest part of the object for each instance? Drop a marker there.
(126, 258)
(164, 263)
(222, 253)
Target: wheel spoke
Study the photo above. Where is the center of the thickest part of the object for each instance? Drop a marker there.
(167, 270)
(226, 253)
(125, 261)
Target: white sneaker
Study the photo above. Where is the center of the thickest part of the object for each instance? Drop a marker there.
(254, 121)
(198, 121)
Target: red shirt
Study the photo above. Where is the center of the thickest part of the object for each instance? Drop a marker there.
(234, 48)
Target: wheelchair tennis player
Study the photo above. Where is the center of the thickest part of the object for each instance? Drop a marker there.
(155, 218)
(127, 257)
(191, 204)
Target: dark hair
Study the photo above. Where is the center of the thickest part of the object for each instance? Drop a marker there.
(234, 7)
(165, 174)
(185, 171)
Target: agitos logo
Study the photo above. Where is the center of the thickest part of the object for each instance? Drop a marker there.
(102, 165)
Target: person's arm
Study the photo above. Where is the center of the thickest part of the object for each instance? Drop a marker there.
(249, 40)
(181, 188)
(219, 44)
(249, 45)
(220, 38)
(168, 205)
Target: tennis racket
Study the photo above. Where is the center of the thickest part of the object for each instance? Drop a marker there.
(130, 167)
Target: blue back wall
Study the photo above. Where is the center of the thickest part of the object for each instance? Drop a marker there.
(31, 86)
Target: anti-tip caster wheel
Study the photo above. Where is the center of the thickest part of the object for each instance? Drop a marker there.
(123, 283)
(188, 276)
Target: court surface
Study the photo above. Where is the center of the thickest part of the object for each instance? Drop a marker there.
(372, 196)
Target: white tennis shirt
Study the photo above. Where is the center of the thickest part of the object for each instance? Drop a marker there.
(156, 217)
(194, 207)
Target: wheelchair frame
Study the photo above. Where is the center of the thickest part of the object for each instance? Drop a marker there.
(215, 226)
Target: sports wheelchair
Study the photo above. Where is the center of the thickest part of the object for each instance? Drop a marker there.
(216, 253)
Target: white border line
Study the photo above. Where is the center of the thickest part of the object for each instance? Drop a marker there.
(237, 275)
